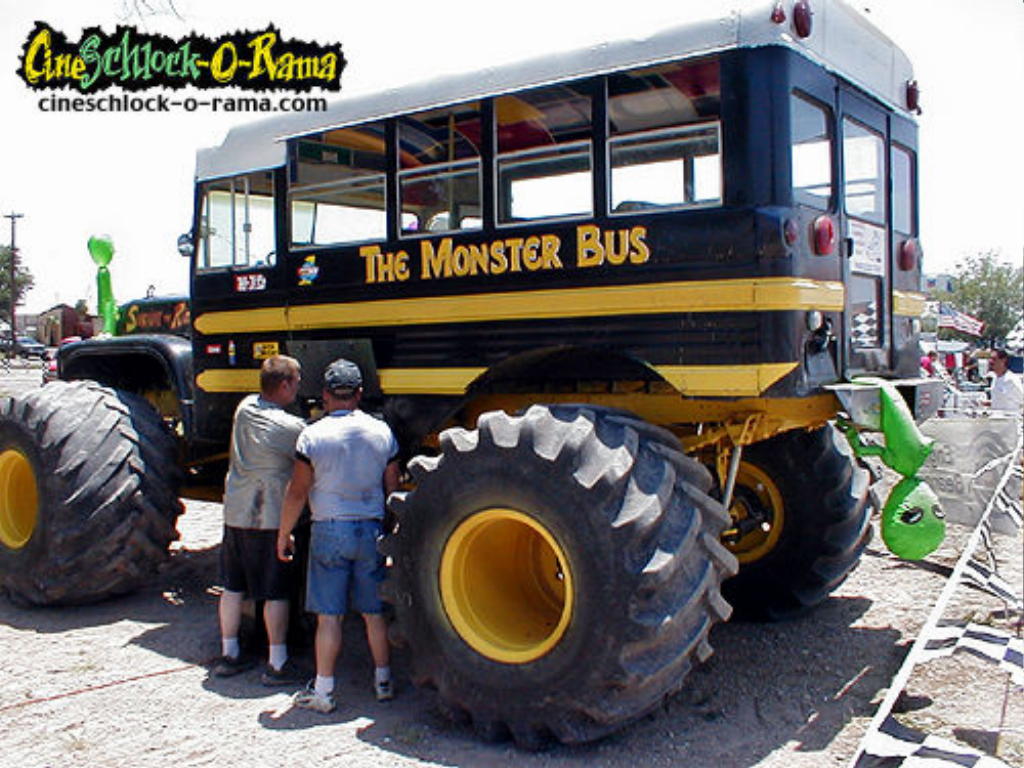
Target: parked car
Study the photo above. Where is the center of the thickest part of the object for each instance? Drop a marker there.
(50, 360)
(24, 346)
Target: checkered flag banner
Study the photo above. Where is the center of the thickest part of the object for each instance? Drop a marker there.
(987, 580)
(1009, 506)
(995, 645)
(887, 744)
(895, 745)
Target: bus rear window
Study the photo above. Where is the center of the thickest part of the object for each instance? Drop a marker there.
(902, 190)
(811, 152)
(863, 172)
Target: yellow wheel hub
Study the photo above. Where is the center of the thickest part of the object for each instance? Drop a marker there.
(758, 512)
(19, 499)
(506, 585)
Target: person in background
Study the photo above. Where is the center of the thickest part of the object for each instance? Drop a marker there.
(345, 465)
(1007, 393)
(263, 439)
(929, 363)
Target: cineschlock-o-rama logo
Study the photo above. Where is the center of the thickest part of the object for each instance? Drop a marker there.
(133, 60)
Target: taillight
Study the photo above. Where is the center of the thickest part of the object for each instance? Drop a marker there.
(802, 18)
(824, 236)
(778, 14)
(907, 259)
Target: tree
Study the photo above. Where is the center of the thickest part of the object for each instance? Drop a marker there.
(990, 289)
(23, 282)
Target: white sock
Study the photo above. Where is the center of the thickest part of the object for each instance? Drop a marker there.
(229, 647)
(324, 685)
(278, 655)
(381, 674)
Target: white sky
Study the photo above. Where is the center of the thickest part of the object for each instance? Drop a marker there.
(130, 175)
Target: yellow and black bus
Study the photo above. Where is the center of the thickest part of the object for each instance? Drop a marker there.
(599, 296)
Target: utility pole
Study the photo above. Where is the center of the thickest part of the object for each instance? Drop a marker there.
(14, 266)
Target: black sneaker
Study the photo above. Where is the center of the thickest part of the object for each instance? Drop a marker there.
(229, 666)
(289, 674)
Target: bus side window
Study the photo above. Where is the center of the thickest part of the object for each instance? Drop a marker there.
(544, 154)
(236, 224)
(338, 192)
(439, 175)
(664, 137)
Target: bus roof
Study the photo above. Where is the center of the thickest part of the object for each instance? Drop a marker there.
(842, 40)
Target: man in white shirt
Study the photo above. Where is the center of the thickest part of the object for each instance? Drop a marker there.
(345, 465)
(1007, 389)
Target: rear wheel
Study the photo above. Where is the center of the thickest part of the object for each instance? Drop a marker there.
(800, 523)
(556, 573)
(88, 493)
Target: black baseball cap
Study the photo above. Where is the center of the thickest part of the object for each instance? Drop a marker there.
(342, 376)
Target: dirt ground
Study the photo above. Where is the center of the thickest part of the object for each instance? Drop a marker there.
(123, 683)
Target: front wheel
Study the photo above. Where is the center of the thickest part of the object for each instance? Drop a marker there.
(556, 573)
(88, 493)
(800, 523)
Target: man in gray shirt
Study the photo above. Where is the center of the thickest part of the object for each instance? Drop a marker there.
(262, 448)
(345, 464)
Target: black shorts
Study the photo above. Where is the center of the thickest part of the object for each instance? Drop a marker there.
(249, 564)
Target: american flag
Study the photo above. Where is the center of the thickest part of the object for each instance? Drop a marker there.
(952, 318)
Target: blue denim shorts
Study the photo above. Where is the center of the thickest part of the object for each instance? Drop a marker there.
(343, 558)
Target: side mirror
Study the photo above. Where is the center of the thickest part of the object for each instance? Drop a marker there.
(185, 247)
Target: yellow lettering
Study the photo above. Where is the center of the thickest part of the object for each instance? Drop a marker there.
(131, 321)
(499, 264)
(77, 68)
(478, 259)
(402, 266)
(262, 59)
(516, 247)
(221, 73)
(460, 261)
(329, 67)
(40, 41)
(530, 257)
(613, 256)
(589, 252)
(640, 252)
(436, 264)
(549, 245)
(369, 254)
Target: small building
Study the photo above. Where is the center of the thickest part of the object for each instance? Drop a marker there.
(61, 321)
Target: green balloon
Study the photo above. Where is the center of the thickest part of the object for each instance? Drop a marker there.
(101, 248)
(913, 523)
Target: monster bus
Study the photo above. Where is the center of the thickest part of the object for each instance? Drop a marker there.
(599, 296)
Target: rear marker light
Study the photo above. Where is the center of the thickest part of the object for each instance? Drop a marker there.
(908, 255)
(778, 14)
(802, 18)
(913, 97)
(824, 236)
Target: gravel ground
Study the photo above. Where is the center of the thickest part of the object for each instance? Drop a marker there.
(124, 683)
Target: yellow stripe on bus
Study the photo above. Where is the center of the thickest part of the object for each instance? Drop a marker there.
(743, 295)
(693, 380)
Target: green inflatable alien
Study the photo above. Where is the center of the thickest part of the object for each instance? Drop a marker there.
(101, 248)
(913, 524)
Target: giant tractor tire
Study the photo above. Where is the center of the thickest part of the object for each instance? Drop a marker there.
(88, 493)
(800, 523)
(556, 573)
